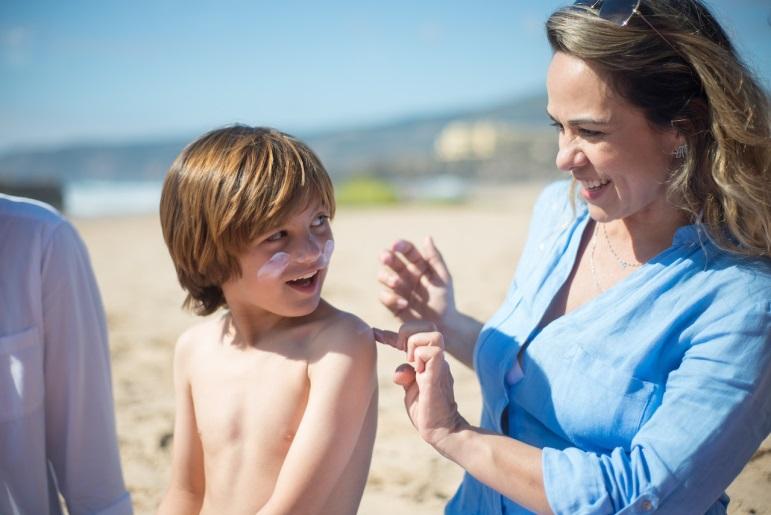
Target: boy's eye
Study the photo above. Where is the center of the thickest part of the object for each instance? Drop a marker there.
(276, 236)
(319, 221)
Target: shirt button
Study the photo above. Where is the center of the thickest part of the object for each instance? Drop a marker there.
(646, 505)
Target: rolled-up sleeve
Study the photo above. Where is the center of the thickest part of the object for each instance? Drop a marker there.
(714, 413)
(81, 437)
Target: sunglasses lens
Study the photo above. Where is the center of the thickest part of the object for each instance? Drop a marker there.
(618, 11)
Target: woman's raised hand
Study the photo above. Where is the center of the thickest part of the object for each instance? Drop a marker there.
(418, 284)
(426, 378)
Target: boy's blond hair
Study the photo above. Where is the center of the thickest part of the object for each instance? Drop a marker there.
(225, 189)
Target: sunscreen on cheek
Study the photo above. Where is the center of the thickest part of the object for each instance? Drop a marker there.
(274, 267)
(326, 254)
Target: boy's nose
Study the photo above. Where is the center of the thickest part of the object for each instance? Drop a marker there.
(308, 251)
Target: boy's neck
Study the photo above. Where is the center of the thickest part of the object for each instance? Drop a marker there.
(248, 327)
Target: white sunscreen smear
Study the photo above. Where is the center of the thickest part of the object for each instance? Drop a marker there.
(278, 262)
(274, 267)
(326, 254)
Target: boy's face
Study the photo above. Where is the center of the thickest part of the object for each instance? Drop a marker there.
(283, 270)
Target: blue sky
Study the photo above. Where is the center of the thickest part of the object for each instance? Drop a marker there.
(94, 71)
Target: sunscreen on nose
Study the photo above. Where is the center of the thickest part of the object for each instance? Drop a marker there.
(274, 267)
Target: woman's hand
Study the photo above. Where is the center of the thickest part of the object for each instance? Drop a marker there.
(418, 284)
(427, 381)
(419, 287)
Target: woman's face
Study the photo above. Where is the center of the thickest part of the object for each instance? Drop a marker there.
(620, 161)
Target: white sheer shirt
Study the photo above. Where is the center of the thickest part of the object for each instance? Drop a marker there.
(57, 421)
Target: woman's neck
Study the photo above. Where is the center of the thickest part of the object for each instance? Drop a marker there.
(645, 236)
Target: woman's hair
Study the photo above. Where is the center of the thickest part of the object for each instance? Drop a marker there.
(224, 190)
(686, 74)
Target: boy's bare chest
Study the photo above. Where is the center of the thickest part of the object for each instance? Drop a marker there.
(251, 402)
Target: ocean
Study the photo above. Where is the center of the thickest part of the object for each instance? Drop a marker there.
(111, 198)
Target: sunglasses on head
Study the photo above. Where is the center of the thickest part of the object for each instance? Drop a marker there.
(616, 11)
(620, 12)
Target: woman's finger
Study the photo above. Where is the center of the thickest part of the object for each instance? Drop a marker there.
(404, 375)
(413, 327)
(402, 286)
(393, 302)
(435, 260)
(389, 259)
(422, 339)
(414, 261)
(387, 337)
(425, 355)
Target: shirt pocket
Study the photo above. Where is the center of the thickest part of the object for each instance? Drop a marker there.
(21, 374)
(598, 405)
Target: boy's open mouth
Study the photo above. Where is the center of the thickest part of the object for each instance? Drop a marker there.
(305, 282)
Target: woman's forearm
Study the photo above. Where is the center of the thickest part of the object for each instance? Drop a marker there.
(461, 332)
(506, 465)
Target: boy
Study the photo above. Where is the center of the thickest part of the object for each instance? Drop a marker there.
(277, 398)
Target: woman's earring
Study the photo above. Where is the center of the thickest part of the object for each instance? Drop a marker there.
(680, 151)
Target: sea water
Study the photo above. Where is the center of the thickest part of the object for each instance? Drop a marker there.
(111, 198)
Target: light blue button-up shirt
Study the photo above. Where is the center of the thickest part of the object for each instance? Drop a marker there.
(57, 422)
(650, 397)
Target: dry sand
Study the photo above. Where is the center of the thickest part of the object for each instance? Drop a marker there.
(481, 242)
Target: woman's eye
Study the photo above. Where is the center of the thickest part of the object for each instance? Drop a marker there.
(590, 133)
(276, 236)
(556, 125)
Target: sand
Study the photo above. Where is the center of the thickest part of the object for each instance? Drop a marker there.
(480, 240)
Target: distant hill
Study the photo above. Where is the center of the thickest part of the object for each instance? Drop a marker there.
(516, 139)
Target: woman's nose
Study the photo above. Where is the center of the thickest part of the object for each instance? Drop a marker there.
(570, 157)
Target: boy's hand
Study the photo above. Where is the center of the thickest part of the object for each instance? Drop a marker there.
(427, 381)
(418, 284)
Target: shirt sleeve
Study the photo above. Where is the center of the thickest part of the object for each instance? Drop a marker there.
(81, 439)
(715, 412)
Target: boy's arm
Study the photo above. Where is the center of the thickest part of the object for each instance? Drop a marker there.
(343, 382)
(185, 493)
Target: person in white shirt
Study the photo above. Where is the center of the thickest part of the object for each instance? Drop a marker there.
(57, 422)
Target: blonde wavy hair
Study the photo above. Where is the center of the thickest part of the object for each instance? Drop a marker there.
(225, 189)
(686, 74)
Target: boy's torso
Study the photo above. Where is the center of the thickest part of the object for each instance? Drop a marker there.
(248, 403)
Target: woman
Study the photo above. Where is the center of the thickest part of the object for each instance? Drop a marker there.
(629, 368)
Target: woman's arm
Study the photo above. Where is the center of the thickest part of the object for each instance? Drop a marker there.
(506, 465)
(186, 489)
(419, 287)
(343, 384)
(715, 411)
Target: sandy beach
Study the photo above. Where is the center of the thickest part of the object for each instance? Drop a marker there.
(481, 242)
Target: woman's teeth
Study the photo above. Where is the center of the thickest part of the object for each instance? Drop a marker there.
(593, 185)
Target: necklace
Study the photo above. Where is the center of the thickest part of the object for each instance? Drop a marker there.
(591, 261)
(624, 264)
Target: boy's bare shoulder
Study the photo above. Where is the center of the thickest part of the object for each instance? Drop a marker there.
(198, 336)
(340, 330)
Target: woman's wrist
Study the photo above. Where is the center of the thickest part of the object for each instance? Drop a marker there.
(451, 440)
(460, 335)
